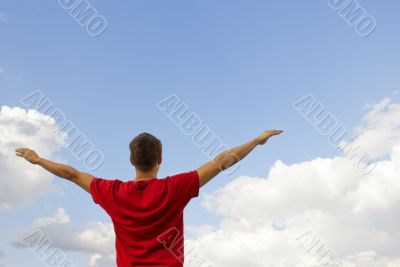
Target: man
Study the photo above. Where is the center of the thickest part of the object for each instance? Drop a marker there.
(147, 210)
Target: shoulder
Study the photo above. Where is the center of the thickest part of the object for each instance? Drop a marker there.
(184, 175)
(102, 182)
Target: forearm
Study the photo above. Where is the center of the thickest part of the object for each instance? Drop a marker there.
(225, 160)
(230, 157)
(64, 171)
(58, 169)
(242, 151)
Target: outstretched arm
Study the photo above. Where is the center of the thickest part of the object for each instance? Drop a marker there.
(230, 157)
(58, 169)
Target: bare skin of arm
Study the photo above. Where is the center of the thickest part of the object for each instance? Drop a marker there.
(61, 170)
(230, 157)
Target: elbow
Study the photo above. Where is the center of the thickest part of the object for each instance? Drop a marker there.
(226, 159)
(219, 160)
(72, 175)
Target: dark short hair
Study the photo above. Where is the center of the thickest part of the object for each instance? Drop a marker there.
(146, 150)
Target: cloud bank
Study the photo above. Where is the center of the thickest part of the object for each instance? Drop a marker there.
(3, 17)
(321, 212)
(95, 238)
(20, 181)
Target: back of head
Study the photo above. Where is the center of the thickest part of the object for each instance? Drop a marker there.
(146, 152)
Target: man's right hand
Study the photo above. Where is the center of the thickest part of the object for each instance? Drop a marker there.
(263, 138)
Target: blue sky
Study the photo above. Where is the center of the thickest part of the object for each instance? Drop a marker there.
(239, 65)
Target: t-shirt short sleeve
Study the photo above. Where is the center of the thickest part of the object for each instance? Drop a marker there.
(103, 193)
(185, 186)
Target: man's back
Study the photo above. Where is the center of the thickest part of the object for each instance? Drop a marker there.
(147, 217)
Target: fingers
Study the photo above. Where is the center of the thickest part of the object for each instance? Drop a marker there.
(273, 132)
(21, 152)
(267, 134)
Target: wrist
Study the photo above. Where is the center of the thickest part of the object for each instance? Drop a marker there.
(256, 141)
(37, 161)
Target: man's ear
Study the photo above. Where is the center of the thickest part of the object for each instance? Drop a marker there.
(160, 160)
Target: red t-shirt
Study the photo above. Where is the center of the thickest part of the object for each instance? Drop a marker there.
(147, 217)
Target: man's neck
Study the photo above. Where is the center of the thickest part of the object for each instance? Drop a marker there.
(145, 175)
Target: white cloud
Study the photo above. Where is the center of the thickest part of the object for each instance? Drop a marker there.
(198, 230)
(59, 218)
(379, 129)
(95, 238)
(2, 71)
(98, 260)
(3, 17)
(20, 181)
(2, 254)
(370, 259)
(353, 216)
